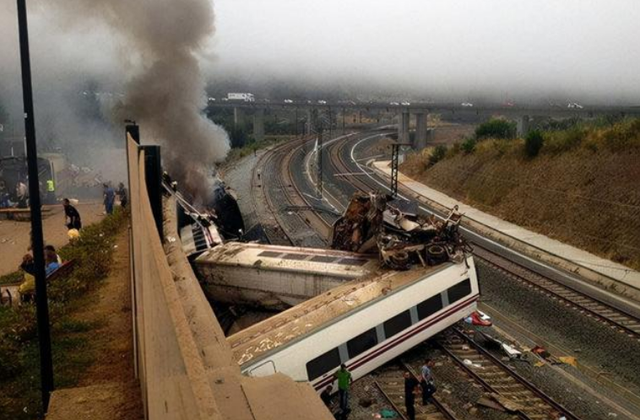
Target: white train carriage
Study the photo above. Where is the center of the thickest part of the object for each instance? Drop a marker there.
(364, 324)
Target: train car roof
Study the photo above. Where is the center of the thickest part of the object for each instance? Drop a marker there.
(319, 311)
(282, 258)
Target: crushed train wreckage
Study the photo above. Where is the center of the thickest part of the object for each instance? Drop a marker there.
(373, 223)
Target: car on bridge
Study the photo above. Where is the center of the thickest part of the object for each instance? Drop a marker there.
(288, 101)
(394, 103)
(467, 104)
(574, 105)
(322, 102)
(405, 103)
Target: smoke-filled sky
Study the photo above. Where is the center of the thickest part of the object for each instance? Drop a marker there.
(522, 50)
(582, 49)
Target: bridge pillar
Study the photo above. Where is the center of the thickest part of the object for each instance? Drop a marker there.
(403, 126)
(421, 131)
(238, 117)
(258, 125)
(523, 125)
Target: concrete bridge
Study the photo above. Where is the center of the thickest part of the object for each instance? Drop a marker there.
(522, 114)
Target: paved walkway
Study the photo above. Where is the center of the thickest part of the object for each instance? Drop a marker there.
(577, 256)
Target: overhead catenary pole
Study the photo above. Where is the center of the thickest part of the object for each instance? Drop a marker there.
(395, 163)
(319, 186)
(37, 241)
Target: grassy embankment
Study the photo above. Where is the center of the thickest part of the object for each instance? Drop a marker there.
(71, 338)
(238, 153)
(578, 184)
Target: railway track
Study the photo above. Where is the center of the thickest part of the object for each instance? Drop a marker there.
(390, 383)
(616, 318)
(496, 377)
(281, 192)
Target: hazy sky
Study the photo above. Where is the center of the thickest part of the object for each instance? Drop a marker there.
(583, 50)
(586, 48)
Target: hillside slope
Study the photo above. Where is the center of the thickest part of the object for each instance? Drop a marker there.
(586, 198)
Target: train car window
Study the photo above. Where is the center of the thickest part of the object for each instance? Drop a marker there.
(362, 343)
(429, 306)
(323, 364)
(459, 291)
(396, 324)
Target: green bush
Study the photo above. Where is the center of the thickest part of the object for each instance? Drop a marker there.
(497, 129)
(469, 145)
(533, 143)
(437, 154)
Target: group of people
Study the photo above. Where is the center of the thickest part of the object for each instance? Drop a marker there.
(425, 386)
(109, 195)
(72, 216)
(412, 387)
(21, 195)
(52, 262)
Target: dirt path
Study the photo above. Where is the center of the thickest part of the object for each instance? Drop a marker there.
(14, 236)
(107, 389)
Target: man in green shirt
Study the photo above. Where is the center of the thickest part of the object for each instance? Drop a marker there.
(344, 381)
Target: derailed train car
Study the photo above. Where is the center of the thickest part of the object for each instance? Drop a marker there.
(362, 324)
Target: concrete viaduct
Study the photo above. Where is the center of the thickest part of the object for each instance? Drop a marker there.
(523, 115)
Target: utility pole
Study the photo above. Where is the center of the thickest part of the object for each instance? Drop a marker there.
(319, 163)
(395, 163)
(37, 244)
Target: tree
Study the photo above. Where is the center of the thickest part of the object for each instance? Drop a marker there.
(438, 154)
(497, 129)
(469, 145)
(533, 143)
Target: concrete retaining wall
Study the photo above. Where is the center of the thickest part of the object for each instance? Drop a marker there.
(172, 376)
(184, 361)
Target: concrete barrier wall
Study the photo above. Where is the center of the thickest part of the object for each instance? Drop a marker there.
(172, 376)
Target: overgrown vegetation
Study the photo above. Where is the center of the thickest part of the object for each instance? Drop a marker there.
(613, 134)
(439, 152)
(19, 360)
(533, 143)
(551, 181)
(238, 153)
(496, 128)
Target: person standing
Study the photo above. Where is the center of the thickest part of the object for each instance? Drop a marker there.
(109, 198)
(71, 216)
(51, 191)
(122, 193)
(410, 384)
(344, 381)
(426, 380)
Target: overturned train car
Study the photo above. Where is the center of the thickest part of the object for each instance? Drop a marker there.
(362, 324)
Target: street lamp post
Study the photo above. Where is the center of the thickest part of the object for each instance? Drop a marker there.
(37, 244)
